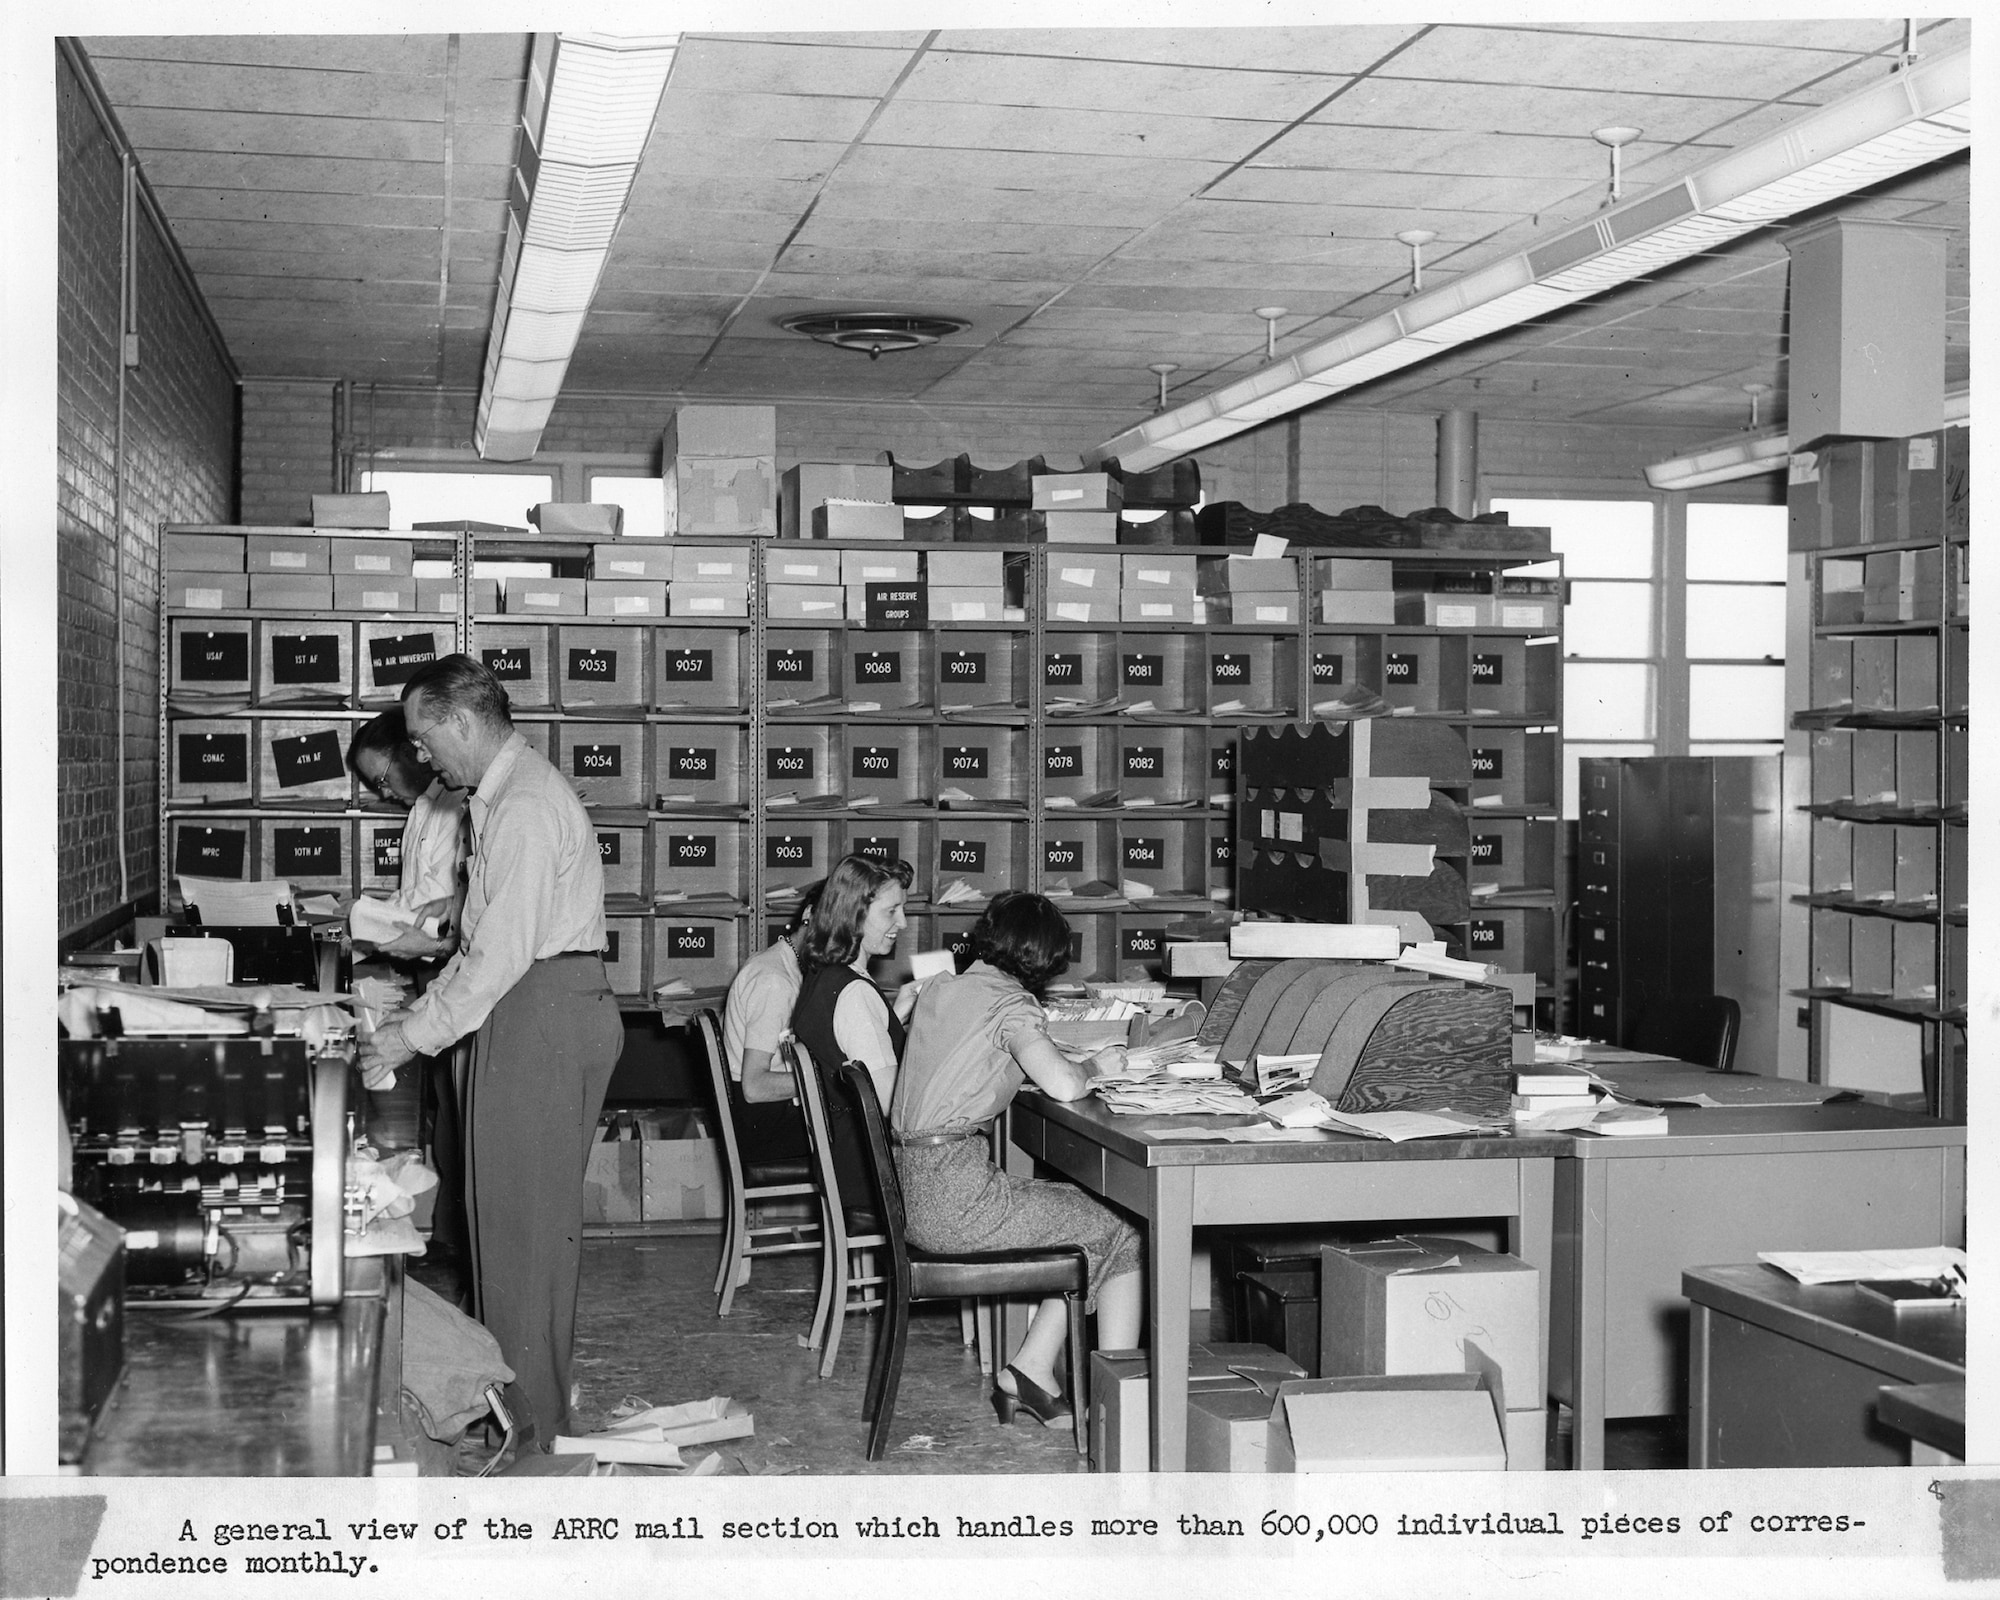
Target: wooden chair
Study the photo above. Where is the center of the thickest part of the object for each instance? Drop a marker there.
(916, 1274)
(848, 1278)
(1701, 1028)
(751, 1184)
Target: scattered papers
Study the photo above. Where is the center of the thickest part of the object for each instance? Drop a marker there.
(957, 892)
(1135, 890)
(1256, 1133)
(1430, 957)
(1275, 1074)
(1397, 1126)
(1855, 1266)
(1303, 1108)
(1353, 941)
(1627, 1122)
(1170, 1097)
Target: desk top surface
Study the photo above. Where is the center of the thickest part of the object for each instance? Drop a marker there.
(1923, 1345)
(249, 1394)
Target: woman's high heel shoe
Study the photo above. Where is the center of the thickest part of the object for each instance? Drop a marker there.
(1050, 1410)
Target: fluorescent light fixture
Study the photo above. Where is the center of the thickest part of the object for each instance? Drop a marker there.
(1749, 454)
(585, 120)
(1904, 121)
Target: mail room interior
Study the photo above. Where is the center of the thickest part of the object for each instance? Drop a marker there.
(684, 660)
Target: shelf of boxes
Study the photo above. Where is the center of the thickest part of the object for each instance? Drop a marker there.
(1884, 527)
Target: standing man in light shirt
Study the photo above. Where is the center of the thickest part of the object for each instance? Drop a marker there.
(528, 982)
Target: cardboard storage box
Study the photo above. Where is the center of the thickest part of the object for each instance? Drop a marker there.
(1356, 606)
(1067, 609)
(721, 431)
(976, 604)
(651, 560)
(1446, 610)
(1265, 608)
(483, 595)
(709, 563)
(202, 552)
(689, 599)
(856, 519)
(966, 569)
(274, 591)
(1161, 607)
(805, 602)
(1162, 574)
(811, 484)
(1076, 576)
(1229, 1430)
(553, 597)
(365, 558)
(1120, 1423)
(1345, 574)
(207, 591)
(577, 519)
(350, 511)
(1420, 1422)
(1538, 613)
(1407, 1305)
(728, 496)
(1248, 575)
(877, 566)
(1080, 527)
(1078, 491)
(624, 597)
(297, 554)
(656, 1166)
(802, 566)
(437, 596)
(1281, 1309)
(374, 594)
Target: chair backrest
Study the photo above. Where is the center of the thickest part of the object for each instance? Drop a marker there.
(728, 1092)
(1698, 1028)
(859, 1086)
(819, 1133)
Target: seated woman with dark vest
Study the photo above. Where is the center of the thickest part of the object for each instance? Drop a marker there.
(840, 1015)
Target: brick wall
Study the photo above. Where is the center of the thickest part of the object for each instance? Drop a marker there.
(180, 466)
(288, 432)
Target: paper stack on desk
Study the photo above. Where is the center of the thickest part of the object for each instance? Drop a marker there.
(1855, 1266)
(1171, 1097)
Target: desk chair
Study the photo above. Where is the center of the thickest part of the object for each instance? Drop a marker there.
(1699, 1028)
(916, 1274)
(848, 1279)
(751, 1184)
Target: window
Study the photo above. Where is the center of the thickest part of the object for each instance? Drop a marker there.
(501, 498)
(1611, 643)
(644, 500)
(1735, 599)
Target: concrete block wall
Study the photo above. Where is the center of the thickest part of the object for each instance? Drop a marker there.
(180, 465)
(288, 450)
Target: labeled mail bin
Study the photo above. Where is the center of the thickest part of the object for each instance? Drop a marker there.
(1077, 852)
(521, 656)
(799, 761)
(697, 763)
(304, 762)
(224, 848)
(212, 658)
(311, 854)
(889, 840)
(796, 852)
(621, 857)
(378, 854)
(1079, 763)
(1079, 666)
(212, 759)
(1512, 852)
(980, 669)
(389, 654)
(605, 762)
(1341, 660)
(1162, 765)
(1164, 854)
(885, 669)
(1513, 938)
(800, 665)
(700, 951)
(884, 764)
(987, 764)
(986, 856)
(698, 856)
(1163, 669)
(625, 954)
(1424, 672)
(1247, 672)
(303, 662)
(1142, 947)
(600, 667)
(699, 668)
(1512, 767)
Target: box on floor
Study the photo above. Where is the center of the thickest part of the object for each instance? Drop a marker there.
(652, 1167)
(1120, 1398)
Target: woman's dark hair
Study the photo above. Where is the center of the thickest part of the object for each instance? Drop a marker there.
(1024, 936)
(389, 736)
(833, 937)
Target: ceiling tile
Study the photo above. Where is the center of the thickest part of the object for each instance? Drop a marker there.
(1477, 56)
(1336, 51)
(1116, 86)
(1152, 136)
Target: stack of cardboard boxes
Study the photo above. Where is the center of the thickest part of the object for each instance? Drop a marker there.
(720, 464)
(1354, 591)
(839, 500)
(1079, 507)
(1083, 588)
(1157, 588)
(297, 572)
(1243, 589)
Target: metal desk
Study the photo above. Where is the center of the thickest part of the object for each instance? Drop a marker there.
(1784, 1374)
(1721, 1184)
(1175, 1187)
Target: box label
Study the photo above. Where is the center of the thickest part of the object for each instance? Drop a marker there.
(215, 757)
(962, 855)
(1062, 760)
(1145, 761)
(1923, 455)
(691, 666)
(881, 761)
(610, 849)
(1489, 763)
(1062, 671)
(1139, 944)
(1145, 855)
(1221, 851)
(209, 852)
(691, 850)
(1400, 669)
(965, 761)
(887, 851)
(1488, 671)
(1222, 761)
(396, 659)
(960, 945)
(895, 605)
(594, 665)
(1488, 851)
(215, 658)
(877, 666)
(308, 758)
(597, 761)
(386, 847)
(788, 850)
(1229, 669)
(789, 761)
(1144, 671)
(306, 852)
(962, 666)
(1062, 855)
(691, 943)
(693, 765)
(788, 666)
(308, 658)
(515, 664)
(1488, 933)
(1328, 667)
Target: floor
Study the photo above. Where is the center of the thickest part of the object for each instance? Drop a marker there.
(647, 1329)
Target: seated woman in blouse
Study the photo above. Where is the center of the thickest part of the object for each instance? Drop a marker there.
(974, 1040)
(840, 1015)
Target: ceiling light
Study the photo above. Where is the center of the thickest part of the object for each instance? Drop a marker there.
(1756, 392)
(1902, 122)
(877, 332)
(1270, 314)
(585, 119)
(1416, 239)
(1617, 139)
(1748, 455)
(1161, 370)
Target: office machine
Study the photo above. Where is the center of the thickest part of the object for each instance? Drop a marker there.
(224, 1159)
